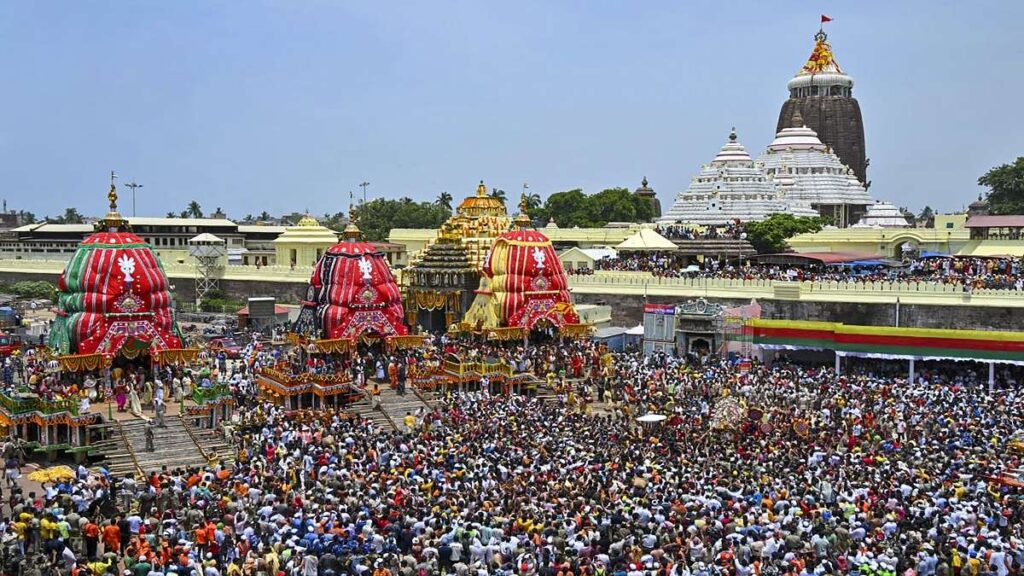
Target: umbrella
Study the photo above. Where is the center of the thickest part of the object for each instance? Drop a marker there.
(651, 418)
(53, 474)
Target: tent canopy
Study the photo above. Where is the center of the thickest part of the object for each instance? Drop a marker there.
(647, 240)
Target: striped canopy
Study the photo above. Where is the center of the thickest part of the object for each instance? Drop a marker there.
(113, 298)
(890, 342)
(352, 292)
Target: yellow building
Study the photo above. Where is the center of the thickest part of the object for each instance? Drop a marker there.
(949, 236)
(300, 246)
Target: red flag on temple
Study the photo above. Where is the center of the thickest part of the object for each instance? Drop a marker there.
(825, 19)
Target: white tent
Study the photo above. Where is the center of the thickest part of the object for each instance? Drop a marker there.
(647, 239)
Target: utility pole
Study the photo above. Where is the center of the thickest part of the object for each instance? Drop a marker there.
(364, 185)
(133, 186)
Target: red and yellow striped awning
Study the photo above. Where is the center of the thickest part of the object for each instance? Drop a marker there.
(888, 341)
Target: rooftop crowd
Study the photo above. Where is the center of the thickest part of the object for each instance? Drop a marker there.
(970, 273)
(756, 470)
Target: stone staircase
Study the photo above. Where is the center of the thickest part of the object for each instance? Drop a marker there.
(390, 414)
(125, 451)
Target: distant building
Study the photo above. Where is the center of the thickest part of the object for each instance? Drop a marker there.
(732, 188)
(647, 193)
(807, 170)
(882, 215)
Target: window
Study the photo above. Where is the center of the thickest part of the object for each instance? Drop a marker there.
(949, 224)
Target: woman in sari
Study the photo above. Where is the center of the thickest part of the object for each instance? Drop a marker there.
(120, 395)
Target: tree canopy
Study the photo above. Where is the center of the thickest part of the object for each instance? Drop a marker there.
(1005, 188)
(769, 235)
(574, 208)
(377, 217)
(70, 216)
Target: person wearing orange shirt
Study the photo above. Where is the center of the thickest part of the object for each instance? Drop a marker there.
(112, 537)
(91, 535)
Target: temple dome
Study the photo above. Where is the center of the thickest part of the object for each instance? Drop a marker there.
(482, 204)
(882, 215)
(808, 171)
(732, 187)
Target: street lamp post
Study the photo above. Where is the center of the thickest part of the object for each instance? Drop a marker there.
(133, 186)
(363, 186)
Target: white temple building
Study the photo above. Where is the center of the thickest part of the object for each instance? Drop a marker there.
(732, 187)
(806, 170)
(882, 215)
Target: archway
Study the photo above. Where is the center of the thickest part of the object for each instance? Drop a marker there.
(700, 347)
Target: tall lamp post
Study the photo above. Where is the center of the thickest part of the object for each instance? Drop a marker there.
(133, 186)
(363, 186)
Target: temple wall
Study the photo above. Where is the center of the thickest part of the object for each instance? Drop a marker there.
(627, 310)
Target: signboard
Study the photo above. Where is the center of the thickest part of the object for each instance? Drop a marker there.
(261, 307)
(666, 309)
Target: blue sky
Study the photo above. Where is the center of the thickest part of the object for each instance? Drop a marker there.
(287, 105)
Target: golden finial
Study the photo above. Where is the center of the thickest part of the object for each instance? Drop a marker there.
(523, 219)
(113, 221)
(112, 195)
(481, 190)
(351, 233)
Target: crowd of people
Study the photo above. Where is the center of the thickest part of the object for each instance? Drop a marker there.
(754, 470)
(968, 273)
(733, 231)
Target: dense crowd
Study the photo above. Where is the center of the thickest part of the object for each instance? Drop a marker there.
(755, 470)
(969, 273)
(683, 232)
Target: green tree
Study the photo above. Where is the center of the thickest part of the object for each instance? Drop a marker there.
(183, 214)
(498, 193)
(444, 199)
(926, 214)
(172, 215)
(34, 289)
(71, 216)
(26, 217)
(264, 216)
(194, 210)
(377, 217)
(567, 208)
(533, 201)
(574, 208)
(1005, 188)
(769, 235)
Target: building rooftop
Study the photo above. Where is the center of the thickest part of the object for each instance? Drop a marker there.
(986, 221)
(882, 215)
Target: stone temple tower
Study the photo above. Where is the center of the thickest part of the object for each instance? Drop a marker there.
(823, 95)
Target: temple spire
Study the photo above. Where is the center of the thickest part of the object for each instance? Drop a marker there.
(522, 221)
(113, 221)
(351, 233)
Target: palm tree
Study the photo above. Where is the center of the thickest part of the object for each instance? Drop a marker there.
(194, 210)
(248, 218)
(498, 193)
(264, 216)
(183, 214)
(444, 199)
(532, 201)
(71, 216)
(172, 215)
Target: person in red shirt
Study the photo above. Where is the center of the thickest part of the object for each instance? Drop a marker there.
(91, 535)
